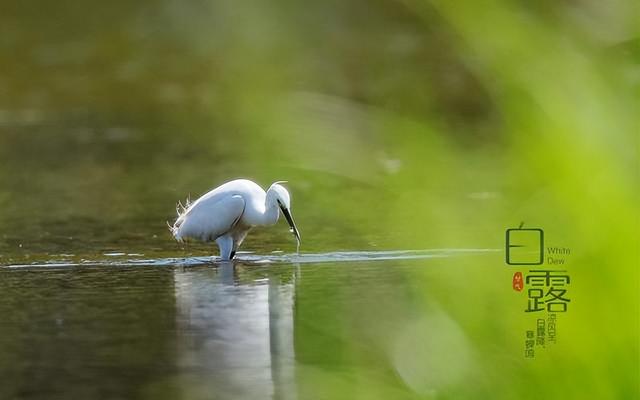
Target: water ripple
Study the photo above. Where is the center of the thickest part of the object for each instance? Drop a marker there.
(250, 258)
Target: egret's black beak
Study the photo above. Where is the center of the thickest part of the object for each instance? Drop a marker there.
(289, 218)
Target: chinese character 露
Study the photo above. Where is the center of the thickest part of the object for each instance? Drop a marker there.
(546, 291)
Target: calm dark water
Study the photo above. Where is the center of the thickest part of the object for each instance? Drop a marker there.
(197, 330)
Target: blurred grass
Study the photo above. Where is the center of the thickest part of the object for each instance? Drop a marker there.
(398, 124)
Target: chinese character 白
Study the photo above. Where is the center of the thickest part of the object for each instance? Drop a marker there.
(551, 328)
(540, 332)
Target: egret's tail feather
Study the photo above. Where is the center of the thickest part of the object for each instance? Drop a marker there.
(174, 232)
(181, 211)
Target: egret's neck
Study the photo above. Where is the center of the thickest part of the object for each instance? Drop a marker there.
(271, 214)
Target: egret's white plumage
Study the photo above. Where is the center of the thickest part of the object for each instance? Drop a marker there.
(227, 213)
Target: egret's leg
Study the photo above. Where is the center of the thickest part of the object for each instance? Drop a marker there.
(235, 247)
(225, 243)
(238, 238)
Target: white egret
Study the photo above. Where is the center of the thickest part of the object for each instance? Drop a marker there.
(227, 213)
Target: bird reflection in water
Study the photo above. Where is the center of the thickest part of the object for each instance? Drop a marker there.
(237, 334)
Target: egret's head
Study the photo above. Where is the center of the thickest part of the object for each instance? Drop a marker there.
(278, 195)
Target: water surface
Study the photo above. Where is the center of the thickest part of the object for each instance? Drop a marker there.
(264, 326)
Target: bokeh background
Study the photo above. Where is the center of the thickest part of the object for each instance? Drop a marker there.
(398, 124)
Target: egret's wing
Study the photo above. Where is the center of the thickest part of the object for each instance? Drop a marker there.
(209, 218)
